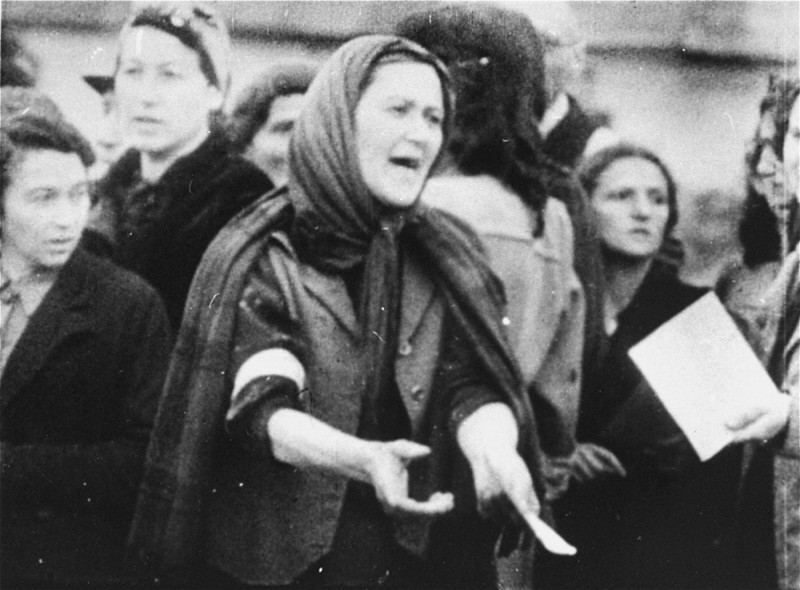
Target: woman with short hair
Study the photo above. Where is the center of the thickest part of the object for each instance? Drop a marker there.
(261, 122)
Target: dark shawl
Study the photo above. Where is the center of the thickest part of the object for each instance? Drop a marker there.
(328, 204)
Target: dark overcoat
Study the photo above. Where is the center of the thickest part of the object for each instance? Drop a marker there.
(77, 400)
(187, 207)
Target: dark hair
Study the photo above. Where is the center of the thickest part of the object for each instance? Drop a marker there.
(22, 133)
(786, 91)
(495, 59)
(170, 19)
(17, 100)
(18, 67)
(592, 168)
(758, 231)
(253, 104)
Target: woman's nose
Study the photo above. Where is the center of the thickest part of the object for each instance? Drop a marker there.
(642, 207)
(421, 130)
(147, 88)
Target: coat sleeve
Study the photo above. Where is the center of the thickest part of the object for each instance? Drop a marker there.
(790, 446)
(102, 474)
(268, 361)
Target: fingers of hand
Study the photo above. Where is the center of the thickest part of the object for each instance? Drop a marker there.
(744, 417)
(610, 462)
(549, 539)
(762, 422)
(592, 461)
(408, 450)
(438, 503)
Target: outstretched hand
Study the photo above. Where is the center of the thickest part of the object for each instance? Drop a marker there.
(388, 473)
(590, 461)
(488, 440)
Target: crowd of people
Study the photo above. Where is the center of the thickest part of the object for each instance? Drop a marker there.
(369, 326)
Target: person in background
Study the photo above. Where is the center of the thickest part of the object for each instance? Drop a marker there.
(351, 380)
(491, 177)
(773, 422)
(261, 122)
(180, 182)
(83, 354)
(766, 159)
(765, 230)
(643, 510)
(567, 129)
(107, 142)
(15, 100)
(107, 139)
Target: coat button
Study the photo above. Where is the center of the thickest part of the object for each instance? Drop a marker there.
(405, 349)
(573, 376)
(416, 392)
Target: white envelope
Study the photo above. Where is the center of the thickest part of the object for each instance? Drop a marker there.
(702, 369)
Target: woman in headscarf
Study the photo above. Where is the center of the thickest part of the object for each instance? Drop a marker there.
(344, 375)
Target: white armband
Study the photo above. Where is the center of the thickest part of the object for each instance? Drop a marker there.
(274, 361)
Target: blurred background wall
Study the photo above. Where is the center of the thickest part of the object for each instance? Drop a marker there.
(684, 78)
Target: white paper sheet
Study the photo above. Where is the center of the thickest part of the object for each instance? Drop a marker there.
(701, 368)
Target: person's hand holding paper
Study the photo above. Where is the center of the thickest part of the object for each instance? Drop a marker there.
(709, 379)
(761, 420)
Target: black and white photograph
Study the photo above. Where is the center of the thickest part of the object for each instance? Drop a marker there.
(409, 294)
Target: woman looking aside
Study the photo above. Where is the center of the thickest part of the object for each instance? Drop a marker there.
(643, 510)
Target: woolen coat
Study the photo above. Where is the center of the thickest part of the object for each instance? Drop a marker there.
(774, 332)
(546, 305)
(190, 203)
(77, 399)
(289, 516)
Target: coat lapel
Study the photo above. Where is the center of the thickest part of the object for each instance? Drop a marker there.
(417, 296)
(64, 311)
(331, 292)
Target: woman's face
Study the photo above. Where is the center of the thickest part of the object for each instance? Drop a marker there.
(399, 132)
(767, 178)
(791, 151)
(45, 208)
(269, 149)
(632, 207)
(164, 99)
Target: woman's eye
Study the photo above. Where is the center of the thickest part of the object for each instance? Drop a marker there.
(435, 119)
(79, 192)
(399, 109)
(43, 196)
(131, 70)
(659, 199)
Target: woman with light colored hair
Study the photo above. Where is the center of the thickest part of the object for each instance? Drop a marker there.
(180, 182)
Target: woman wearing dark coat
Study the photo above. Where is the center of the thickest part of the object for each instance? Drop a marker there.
(181, 182)
(642, 509)
(83, 358)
